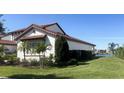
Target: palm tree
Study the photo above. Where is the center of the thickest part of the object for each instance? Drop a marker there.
(24, 47)
(41, 48)
(112, 47)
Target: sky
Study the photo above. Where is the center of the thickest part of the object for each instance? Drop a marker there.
(99, 29)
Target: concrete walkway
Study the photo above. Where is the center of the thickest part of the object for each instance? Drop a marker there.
(3, 77)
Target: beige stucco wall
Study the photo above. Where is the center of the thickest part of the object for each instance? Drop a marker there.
(8, 37)
(31, 33)
(48, 40)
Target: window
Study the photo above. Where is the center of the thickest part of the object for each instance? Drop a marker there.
(34, 31)
(34, 43)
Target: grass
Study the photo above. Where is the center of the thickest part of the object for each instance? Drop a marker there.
(102, 68)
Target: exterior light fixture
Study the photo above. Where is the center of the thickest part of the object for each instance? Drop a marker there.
(49, 47)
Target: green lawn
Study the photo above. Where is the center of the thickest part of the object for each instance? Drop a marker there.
(106, 67)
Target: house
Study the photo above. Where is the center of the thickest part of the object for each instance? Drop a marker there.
(101, 51)
(1, 34)
(9, 46)
(43, 33)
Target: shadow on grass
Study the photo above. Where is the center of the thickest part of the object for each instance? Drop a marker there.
(32, 76)
(80, 62)
(86, 62)
(83, 63)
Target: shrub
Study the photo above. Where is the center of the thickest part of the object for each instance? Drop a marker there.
(49, 61)
(51, 58)
(87, 55)
(119, 52)
(72, 62)
(34, 63)
(25, 63)
(2, 50)
(81, 54)
(2, 61)
(1, 58)
(61, 51)
(11, 59)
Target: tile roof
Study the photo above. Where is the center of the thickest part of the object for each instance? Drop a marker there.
(19, 30)
(8, 42)
(43, 28)
(1, 35)
(68, 37)
(36, 27)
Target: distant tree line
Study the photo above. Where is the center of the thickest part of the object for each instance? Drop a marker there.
(2, 29)
(119, 52)
(116, 50)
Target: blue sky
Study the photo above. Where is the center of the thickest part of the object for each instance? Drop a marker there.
(94, 28)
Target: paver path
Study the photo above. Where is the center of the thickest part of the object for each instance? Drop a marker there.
(3, 78)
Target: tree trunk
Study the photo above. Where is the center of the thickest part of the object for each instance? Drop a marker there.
(24, 54)
(112, 51)
(40, 60)
(43, 60)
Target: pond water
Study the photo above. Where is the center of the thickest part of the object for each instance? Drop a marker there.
(103, 55)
